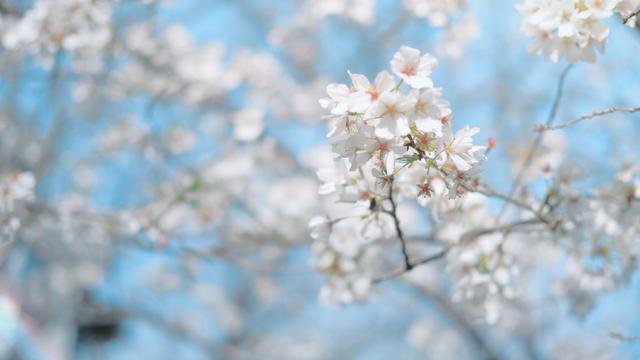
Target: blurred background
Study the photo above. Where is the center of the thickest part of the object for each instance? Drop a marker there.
(174, 146)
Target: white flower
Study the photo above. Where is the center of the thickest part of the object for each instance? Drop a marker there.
(571, 29)
(459, 150)
(390, 109)
(344, 100)
(352, 147)
(332, 177)
(413, 68)
(428, 110)
(383, 83)
(397, 143)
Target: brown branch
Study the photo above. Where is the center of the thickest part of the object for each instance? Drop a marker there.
(592, 115)
(394, 214)
(403, 270)
(626, 19)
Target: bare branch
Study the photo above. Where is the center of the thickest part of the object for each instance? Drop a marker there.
(626, 19)
(401, 271)
(592, 115)
(538, 139)
(624, 338)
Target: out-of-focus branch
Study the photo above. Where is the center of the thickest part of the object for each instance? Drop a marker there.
(624, 338)
(597, 113)
(538, 140)
(462, 323)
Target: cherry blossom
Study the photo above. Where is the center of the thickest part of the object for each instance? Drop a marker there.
(413, 67)
(567, 29)
(383, 148)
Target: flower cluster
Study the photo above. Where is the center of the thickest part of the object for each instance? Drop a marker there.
(376, 126)
(170, 64)
(571, 29)
(53, 25)
(599, 232)
(15, 188)
(388, 141)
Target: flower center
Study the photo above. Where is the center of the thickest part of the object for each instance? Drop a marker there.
(409, 71)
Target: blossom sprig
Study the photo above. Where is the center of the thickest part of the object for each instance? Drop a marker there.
(378, 127)
(569, 29)
(392, 140)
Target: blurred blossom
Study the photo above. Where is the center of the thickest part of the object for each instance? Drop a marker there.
(311, 179)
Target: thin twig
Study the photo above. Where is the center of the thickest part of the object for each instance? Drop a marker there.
(626, 19)
(624, 338)
(403, 270)
(538, 140)
(489, 192)
(592, 115)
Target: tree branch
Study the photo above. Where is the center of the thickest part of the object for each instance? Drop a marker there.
(626, 19)
(394, 214)
(592, 115)
(624, 338)
(538, 140)
(403, 270)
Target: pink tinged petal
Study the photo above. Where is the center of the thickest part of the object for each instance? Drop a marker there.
(411, 55)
